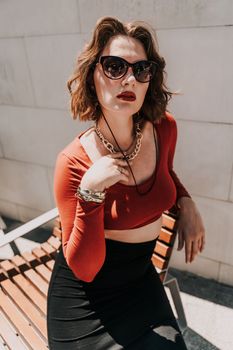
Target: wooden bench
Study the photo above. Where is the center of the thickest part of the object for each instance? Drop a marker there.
(24, 283)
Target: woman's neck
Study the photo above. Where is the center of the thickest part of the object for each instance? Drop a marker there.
(122, 128)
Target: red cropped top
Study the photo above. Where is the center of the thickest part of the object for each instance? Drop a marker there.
(83, 223)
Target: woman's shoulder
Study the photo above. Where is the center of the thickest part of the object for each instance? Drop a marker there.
(167, 118)
(74, 150)
(166, 123)
(171, 122)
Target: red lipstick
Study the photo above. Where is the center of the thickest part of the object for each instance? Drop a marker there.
(127, 96)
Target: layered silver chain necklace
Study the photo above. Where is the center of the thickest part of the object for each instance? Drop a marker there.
(109, 146)
(135, 152)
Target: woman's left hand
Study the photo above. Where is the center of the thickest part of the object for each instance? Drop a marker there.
(191, 231)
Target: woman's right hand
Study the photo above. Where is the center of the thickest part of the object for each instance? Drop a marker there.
(105, 172)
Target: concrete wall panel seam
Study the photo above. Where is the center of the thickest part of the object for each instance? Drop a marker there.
(29, 71)
(78, 14)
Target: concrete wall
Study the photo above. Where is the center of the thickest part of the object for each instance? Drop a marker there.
(38, 45)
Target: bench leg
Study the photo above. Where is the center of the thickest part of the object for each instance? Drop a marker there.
(172, 284)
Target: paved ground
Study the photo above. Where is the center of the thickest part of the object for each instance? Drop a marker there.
(208, 305)
(209, 310)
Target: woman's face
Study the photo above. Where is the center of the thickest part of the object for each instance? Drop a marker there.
(107, 89)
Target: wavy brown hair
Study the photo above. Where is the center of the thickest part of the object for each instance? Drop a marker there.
(84, 102)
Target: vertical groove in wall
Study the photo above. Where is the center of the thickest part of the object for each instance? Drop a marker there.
(50, 186)
(2, 150)
(231, 185)
(218, 272)
(79, 17)
(29, 70)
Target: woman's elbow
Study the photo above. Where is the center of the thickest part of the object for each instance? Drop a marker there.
(85, 270)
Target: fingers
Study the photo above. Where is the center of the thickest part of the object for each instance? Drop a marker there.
(122, 170)
(192, 248)
(180, 241)
(199, 244)
(202, 244)
(188, 251)
(122, 162)
(122, 173)
(119, 166)
(118, 159)
(194, 251)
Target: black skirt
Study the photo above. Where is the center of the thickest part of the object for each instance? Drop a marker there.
(124, 307)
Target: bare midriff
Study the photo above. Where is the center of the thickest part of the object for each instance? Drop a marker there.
(141, 234)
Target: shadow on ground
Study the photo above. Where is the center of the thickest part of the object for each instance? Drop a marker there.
(196, 342)
(204, 288)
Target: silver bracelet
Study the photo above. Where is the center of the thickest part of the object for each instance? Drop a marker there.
(90, 196)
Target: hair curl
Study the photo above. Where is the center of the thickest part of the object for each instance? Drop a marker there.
(84, 102)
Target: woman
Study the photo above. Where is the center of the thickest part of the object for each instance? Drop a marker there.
(111, 185)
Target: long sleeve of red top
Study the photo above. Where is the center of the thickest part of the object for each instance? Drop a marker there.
(82, 222)
(181, 190)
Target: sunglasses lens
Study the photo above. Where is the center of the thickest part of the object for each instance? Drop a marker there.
(144, 71)
(114, 67)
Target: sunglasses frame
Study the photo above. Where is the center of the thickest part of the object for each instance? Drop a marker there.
(128, 64)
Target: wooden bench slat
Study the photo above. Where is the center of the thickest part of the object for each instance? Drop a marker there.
(57, 232)
(26, 307)
(168, 221)
(28, 333)
(2, 346)
(10, 336)
(50, 251)
(57, 222)
(162, 249)
(20, 263)
(44, 272)
(30, 259)
(167, 236)
(50, 264)
(55, 242)
(37, 281)
(32, 293)
(9, 268)
(40, 254)
(3, 275)
(159, 262)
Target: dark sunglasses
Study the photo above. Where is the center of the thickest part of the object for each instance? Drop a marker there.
(115, 67)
